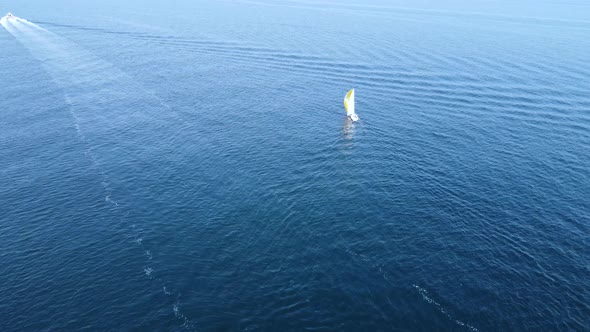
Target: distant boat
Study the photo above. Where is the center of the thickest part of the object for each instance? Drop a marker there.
(9, 15)
(349, 105)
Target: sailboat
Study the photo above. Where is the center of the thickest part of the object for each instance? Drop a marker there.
(349, 105)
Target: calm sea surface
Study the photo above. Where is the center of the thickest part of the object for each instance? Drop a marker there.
(188, 166)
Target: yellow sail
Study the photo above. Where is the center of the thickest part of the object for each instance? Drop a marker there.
(349, 102)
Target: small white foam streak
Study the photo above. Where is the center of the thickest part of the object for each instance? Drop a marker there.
(148, 271)
(109, 200)
(424, 293)
(181, 316)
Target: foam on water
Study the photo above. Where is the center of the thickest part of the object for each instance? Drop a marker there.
(148, 271)
(67, 65)
(424, 293)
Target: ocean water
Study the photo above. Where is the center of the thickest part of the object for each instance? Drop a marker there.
(188, 166)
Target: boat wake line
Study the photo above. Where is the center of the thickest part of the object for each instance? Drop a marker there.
(82, 77)
(422, 291)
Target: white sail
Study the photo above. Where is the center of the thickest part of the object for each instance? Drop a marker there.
(349, 105)
(349, 102)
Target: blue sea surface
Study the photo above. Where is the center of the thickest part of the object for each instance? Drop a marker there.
(188, 166)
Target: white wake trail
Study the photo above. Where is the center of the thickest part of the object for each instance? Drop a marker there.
(424, 293)
(113, 116)
(31, 24)
(8, 26)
